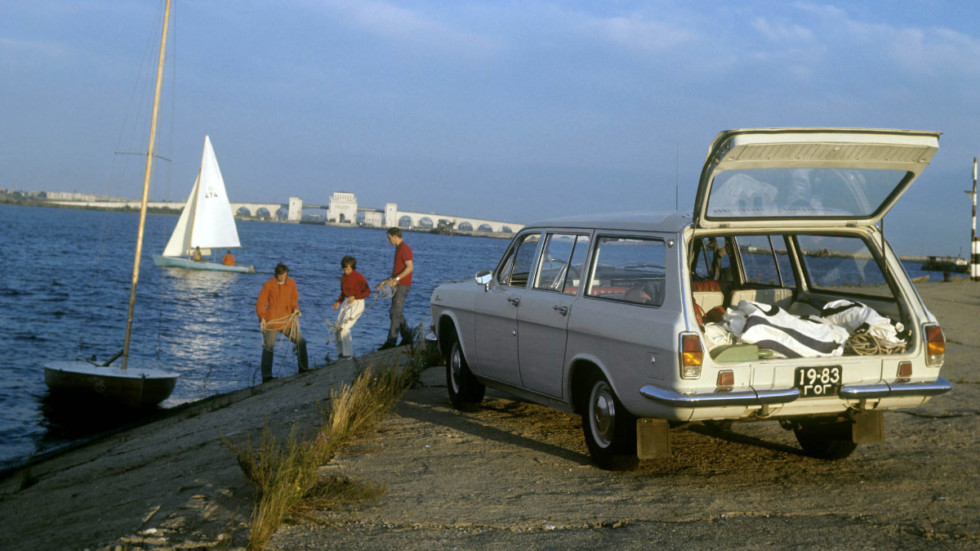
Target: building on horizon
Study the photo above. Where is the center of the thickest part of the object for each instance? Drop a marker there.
(342, 208)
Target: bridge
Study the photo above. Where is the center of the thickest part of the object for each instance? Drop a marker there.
(342, 210)
(421, 220)
(276, 211)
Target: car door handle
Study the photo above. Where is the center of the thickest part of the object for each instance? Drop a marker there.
(562, 309)
(514, 300)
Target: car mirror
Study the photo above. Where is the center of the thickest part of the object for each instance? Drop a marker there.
(484, 278)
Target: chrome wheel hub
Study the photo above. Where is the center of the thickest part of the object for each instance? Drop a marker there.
(602, 413)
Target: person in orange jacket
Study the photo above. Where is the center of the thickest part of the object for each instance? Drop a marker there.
(278, 311)
(229, 259)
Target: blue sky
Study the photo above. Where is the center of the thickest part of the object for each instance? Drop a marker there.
(493, 109)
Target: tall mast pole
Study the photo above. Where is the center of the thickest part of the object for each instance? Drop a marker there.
(146, 183)
(974, 243)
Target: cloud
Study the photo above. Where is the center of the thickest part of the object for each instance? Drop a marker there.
(28, 52)
(638, 32)
(782, 31)
(403, 26)
(919, 52)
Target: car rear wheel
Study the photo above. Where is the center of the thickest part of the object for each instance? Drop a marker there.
(465, 392)
(610, 430)
(825, 438)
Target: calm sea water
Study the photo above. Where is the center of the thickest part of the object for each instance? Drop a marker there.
(66, 291)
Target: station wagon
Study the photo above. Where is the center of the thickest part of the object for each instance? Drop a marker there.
(777, 299)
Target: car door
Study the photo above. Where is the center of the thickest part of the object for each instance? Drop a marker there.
(542, 318)
(495, 312)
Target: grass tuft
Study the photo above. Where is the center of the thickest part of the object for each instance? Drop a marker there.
(285, 474)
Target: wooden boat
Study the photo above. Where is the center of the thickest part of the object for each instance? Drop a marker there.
(130, 387)
(102, 385)
(206, 223)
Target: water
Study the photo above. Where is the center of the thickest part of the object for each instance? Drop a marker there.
(66, 292)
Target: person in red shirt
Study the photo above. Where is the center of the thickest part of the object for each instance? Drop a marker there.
(229, 259)
(353, 290)
(278, 311)
(401, 280)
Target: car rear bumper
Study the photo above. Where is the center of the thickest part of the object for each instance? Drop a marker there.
(783, 396)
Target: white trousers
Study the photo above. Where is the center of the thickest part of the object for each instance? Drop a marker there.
(350, 311)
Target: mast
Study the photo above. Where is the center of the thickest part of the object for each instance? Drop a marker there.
(146, 184)
(974, 242)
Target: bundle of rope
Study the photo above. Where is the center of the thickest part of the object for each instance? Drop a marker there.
(291, 321)
(865, 344)
(384, 292)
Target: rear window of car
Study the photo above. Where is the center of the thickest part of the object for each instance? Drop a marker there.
(628, 269)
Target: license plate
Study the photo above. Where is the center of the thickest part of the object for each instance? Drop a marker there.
(818, 381)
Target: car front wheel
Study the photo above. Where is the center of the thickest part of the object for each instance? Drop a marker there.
(610, 430)
(465, 392)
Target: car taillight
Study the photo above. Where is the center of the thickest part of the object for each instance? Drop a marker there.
(935, 345)
(725, 381)
(692, 356)
(904, 372)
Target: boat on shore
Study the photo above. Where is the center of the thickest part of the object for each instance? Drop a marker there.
(97, 385)
(206, 223)
(946, 264)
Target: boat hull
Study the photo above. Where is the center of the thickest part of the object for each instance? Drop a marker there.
(132, 388)
(173, 262)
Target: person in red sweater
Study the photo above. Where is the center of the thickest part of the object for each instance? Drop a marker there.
(401, 280)
(353, 290)
(278, 311)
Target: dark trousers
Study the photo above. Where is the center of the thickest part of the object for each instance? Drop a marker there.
(269, 342)
(398, 323)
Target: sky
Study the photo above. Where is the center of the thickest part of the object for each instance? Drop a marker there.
(493, 109)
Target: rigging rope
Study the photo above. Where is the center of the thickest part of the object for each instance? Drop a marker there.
(865, 344)
(289, 322)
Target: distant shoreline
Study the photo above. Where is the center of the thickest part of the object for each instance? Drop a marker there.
(5, 199)
(28, 201)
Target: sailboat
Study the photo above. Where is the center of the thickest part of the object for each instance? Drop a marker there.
(104, 384)
(205, 223)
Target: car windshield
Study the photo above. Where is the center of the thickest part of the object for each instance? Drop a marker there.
(801, 192)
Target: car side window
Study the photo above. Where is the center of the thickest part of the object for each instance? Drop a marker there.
(765, 260)
(517, 267)
(576, 269)
(628, 269)
(709, 260)
(842, 264)
(555, 262)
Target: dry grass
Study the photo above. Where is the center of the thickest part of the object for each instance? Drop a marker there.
(286, 474)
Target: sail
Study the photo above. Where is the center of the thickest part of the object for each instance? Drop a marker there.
(207, 220)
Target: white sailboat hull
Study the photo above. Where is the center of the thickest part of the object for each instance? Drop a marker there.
(110, 386)
(187, 264)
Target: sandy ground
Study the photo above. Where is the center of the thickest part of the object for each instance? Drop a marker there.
(516, 475)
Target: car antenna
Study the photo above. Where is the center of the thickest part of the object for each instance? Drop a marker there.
(677, 154)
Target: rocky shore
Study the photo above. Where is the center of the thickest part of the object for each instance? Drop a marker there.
(516, 475)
